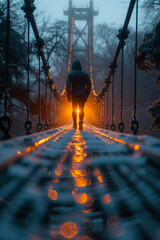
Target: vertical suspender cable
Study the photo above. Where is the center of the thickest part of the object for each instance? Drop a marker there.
(28, 124)
(28, 89)
(39, 91)
(113, 99)
(104, 110)
(5, 122)
(7, 57)
(134, 122)
(107, 113)
(122, 84)
(50, 107)
(46, 125)
(121, 124)
(39, 124)
(135, 67)
(107, 108)
(113, 125)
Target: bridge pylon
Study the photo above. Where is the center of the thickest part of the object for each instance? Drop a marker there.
(80, 40)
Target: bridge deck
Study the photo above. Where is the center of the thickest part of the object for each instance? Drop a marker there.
(67, 184)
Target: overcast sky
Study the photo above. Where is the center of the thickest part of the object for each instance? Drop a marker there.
(112, 12)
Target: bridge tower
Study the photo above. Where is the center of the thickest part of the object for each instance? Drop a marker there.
(80, 40)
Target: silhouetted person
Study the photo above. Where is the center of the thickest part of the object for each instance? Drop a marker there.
(78, 89)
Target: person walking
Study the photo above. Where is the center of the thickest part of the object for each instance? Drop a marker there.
(78, 87)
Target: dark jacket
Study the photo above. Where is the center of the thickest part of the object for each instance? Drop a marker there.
(78, 83)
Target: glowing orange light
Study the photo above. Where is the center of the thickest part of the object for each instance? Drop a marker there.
(19, 153)
(80, 198)
(89, 182)
(96, 172)
(90, 202)
(100, 178)
(69, 230)
(58, 171)
(81, 182)
(56, 180)
(78, 159)
(106, 199)
(136, 147)
(88, 210)
(53, 194)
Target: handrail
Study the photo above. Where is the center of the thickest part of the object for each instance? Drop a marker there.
(122, 37)
(29, 8)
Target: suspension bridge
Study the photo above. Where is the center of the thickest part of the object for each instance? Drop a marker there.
(61, 183)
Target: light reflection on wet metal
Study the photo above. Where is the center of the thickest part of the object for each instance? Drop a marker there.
(98, 175)
(53, 194)
(58, 172)
(69, 230)
(80, 198)
(116, 230)
(79, 173)
(131, 145)
(106, 199)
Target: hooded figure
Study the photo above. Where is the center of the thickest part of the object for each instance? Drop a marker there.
(78, 89)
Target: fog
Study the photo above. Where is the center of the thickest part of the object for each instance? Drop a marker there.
(112, 12)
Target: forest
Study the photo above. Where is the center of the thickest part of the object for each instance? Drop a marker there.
(55, 36)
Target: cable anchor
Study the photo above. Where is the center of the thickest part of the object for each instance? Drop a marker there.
(121, 127)
(122, 36)
(134, 126)
(28, 126)
(113, 127)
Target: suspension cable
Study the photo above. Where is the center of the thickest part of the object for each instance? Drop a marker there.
(121, 124)
(113, 99)
(7, 58)
(39, 124)
(91, 58)
(71, 45)
(39, 92)
(28, 123)
(107, 112)
(122, 84)
(107, 108)
(5, 121)
(46, 125)
(135, 67)
(134, 122)
(124, 29)
(50, 107)
(28, 68)
(113, 66)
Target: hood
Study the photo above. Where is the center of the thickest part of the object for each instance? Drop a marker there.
(76, 65)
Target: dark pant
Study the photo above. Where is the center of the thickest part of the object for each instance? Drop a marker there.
(75, 104)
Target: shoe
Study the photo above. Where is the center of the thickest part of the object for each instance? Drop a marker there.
(75, 126)
(80, 125)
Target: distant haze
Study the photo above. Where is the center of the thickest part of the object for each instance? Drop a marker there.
(112, 12)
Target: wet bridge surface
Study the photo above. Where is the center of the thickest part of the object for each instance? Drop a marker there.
(81, 185)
